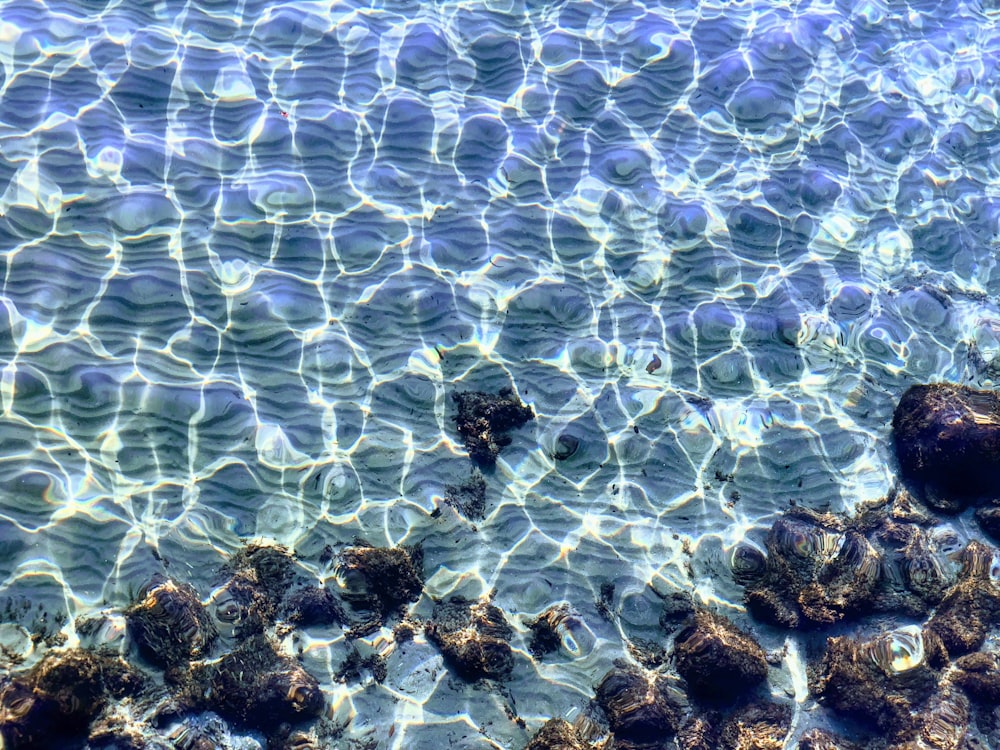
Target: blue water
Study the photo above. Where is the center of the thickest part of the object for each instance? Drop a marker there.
(248, 253)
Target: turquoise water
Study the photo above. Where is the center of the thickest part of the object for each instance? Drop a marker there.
(249, 254)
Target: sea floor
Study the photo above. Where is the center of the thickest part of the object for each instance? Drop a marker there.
(252, 251)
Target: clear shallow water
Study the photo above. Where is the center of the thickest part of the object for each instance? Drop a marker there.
(248, 255)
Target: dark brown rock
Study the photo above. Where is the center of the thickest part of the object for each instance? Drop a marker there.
(883, 682)
(947, 440)
(944, 724)
(916, 572)
(243, 606)
(644, 709)
(544, 629)
(819, 739)
(758, 726)
(718, 661)
(557, 734)
(169, 623)
(270, 568)
(474, 638)
(264, 584)
(989, 521)
(749, 565)
(263, 574)
(698, 733)
(971, 606)
(313, 605)
(256, 687)
(923, 573)
(485, 419)
(382, 579)
(817, 572)
(52, 704)
(978, 674)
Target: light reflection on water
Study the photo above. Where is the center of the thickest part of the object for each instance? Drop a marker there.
(248, 256)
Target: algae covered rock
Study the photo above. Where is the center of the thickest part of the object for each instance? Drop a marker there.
(816, 571)
(978, 674)
(644, 709)
(718, 661)
(752, 726)
(972, 605)
(758, 726)
(485, 419)
(560, 628)
(557, 734)
(882, 682)
(256, 687)
(947, 440)
(820, 739)
(169, 623)
(381, 579)
(474, 638)
(55, 701)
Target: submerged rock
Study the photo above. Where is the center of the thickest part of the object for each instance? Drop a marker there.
(947, 440)
(474, 638)
(256, 687)
(758, 726)
(921, 568)
(544, 636)
(52, 704)
(207, 731)
(749, 565)
(972, 605)
(754, 726)
(718, 661)
(484, 420)
(819, 739)
(978, 674)
(380, 580)
(816, 572)
(916, 553)
(943, 725)
(118, 727)
(270, 567)
(698, 733)
(644, 709)
(313, 605)
(883, 682)
(468, 498)
(821, 569)
(559, 628)
(557, 734)
(169, 623)
(264, 585)
(243, 607)
(989, 521)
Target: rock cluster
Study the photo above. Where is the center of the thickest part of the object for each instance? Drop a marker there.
(917, 684)
(907, 615)
(196, 661)
(922, 681)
